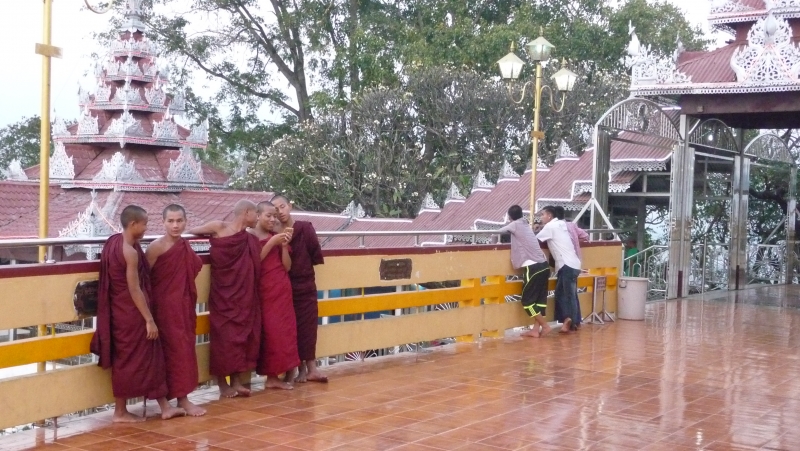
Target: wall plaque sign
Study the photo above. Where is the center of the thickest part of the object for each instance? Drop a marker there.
(395, 269)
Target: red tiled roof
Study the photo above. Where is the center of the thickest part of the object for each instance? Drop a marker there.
(151, 164)
(653, 148)
(372, 225)
(66, 205)
(711, 67)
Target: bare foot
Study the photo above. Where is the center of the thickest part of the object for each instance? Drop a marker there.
(316, 376)
(302, 374)
(290, 376)
(565, 327)
(226, 391)
(533, 333)
(191, 409)
(545, 330)
(275, 382)
(241, 390)
(172, 412)
(126, 417)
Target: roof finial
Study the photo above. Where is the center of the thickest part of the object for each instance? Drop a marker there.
(133, 16)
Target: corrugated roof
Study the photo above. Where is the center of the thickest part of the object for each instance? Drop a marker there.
(712, 67)
(20, 215)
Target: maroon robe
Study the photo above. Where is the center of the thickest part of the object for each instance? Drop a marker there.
(279, 332)
(137, 364)
(235, 308)
(306, 252)
(175, 299)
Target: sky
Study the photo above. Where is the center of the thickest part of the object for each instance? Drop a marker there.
(73, 28)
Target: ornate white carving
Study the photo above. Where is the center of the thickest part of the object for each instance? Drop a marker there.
(123, 126)
(112, 68)
(130, 45)
(89, 223)
(166, 128)
(129, 68)
(83, 96)
(508, 172)
(199, 133)
(127, 94)
(98, 70)
(481, 182)
(564, 151)
(133, 20)
(118, 170)
(155, 95)
(541, 165)
(454, 195)
(580, 187)
(647, 69)
(103, 92)
(150, 68)
(638, 166)
(178, 102)
(429, 204)
(88, 124)
(770, 58)
(770, 147)
(15, 171)
(354, 211)
(728, 6)
(59, 128)
(61, 166)
(186, 168)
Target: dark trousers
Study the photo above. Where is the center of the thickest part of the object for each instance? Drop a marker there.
(567, 295)
(534, 288)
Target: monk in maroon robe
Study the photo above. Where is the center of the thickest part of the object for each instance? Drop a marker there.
(278, 333)
(175, 266)
(235, 307)
(306, 253)
(126, 339)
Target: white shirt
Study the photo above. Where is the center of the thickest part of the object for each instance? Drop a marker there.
(559, 242)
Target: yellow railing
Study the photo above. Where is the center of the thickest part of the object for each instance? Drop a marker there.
(43, 294)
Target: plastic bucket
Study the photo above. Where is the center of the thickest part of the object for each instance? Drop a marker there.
(631, 297)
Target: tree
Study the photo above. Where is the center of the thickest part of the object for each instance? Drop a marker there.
(20, 141)
(336, 55)
(391, 146)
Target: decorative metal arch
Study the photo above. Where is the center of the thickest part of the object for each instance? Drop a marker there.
(714, 133)
(641, 116)
(769, 147)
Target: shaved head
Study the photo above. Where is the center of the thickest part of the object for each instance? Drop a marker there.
(262, 205)
(242, 207)
(279, 197)
(173, 207)
(131, 213)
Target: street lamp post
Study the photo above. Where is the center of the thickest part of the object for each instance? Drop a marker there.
(539, 51)
(48, 51)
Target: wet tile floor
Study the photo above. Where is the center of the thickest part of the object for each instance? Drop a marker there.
(714, 374)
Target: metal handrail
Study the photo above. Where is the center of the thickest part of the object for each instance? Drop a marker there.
(642, 252)
(68, 241)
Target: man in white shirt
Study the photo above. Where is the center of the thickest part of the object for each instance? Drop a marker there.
(526, 255)
(559, 242)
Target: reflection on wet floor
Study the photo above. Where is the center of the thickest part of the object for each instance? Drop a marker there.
(719, 373)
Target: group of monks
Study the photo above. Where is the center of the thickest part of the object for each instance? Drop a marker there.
(262, 305)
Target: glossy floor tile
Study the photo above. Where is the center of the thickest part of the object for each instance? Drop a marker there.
(713, 373)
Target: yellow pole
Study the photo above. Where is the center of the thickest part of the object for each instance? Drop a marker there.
(537, 98)
(44, 145)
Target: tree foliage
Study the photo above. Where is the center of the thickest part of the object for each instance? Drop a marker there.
(314, 76)
(20, 141)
